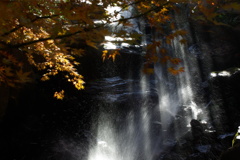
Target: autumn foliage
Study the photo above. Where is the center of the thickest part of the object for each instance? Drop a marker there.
(40, 33)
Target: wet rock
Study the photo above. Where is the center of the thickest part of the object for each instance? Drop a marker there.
(203, 148)
(197, 129)
(232, 153)
(197, 156)
(220, 42)
(225, 93)
(172, 156)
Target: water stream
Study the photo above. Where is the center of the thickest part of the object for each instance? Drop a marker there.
(141, 118)
(126, 114)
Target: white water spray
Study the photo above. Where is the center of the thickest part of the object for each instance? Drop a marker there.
(139, 129)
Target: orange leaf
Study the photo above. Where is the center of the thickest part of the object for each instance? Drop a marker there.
(168, 41)
(91, 44)
(183, 41)
(172, 26)
(175, 71)
(59, 95)
(114, 54)
(154, 59)
(175, 60)
(165, 59)
(148, 70)
(163, 51)
(104, 54)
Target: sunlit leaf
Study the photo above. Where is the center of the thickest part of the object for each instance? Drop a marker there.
(92, 44)
(59, 95)
(114, 54)
(104, 54)
(50, 35)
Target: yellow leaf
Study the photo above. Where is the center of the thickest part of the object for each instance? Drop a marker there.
(79, 84)
(145, 5)
(104, 54)
(91, 44)
(45, 78)
(59, 95)
(114, 54)
(62, 33)
(164, 10)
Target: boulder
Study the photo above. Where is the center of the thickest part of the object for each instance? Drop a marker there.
(232, 153)
(197, 129)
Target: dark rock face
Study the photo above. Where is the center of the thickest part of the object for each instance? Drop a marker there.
(232, 153)
(225, 92)
(216, 49)
(197, 129)
(220, 43)
(35, 124)
(219, 51)
(127, 64)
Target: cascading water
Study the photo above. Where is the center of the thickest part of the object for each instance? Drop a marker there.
(128, 115)
(139, 118)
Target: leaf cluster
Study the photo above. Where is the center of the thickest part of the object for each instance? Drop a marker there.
(43, 31)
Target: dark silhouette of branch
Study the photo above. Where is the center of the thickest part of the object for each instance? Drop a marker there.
(32, 21)
(52, 38)
(44, 39)
(154, 8)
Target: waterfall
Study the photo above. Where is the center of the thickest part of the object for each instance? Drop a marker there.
(182, 97)
(138, 119)
(125, 114)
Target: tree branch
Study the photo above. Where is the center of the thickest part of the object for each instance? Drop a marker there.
(140, 15)
(52, 38)
(44, 39)
(32, 21)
